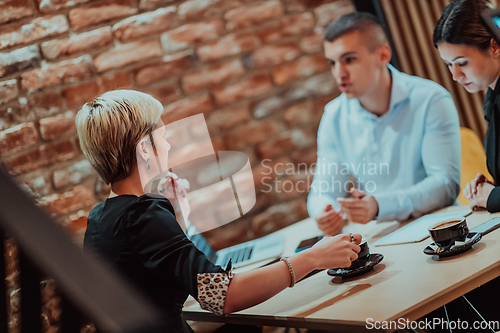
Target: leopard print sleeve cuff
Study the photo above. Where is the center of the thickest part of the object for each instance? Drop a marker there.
(212, 291)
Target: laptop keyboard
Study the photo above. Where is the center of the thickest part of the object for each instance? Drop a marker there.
(239, 255)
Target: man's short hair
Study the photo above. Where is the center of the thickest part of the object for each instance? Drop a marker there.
(366, 23)
(110, 127)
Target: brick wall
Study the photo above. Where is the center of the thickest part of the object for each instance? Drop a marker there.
(254, 68)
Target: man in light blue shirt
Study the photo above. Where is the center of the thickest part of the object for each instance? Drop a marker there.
(393, 137)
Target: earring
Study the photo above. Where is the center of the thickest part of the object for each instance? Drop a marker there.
(149, 167)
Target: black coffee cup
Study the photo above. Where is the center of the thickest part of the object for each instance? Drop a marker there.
(446, 233)
(363, 256)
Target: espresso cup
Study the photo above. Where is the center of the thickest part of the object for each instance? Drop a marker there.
(445, 233)
(363, 255)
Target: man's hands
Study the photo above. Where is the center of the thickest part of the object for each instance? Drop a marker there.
(361, 209)
(478, 191)
(330, 221)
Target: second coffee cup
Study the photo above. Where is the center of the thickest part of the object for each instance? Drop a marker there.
(446, 233)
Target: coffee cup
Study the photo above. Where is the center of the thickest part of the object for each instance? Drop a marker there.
(445, 233)
(363, 256)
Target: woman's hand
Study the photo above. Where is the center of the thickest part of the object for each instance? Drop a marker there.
(470, 189)
(175, 189)
(338, 251)
(480, 198)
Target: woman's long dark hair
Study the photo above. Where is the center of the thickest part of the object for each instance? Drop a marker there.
(460, 24)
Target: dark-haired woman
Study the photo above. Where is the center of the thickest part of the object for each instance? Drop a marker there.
(473, 58)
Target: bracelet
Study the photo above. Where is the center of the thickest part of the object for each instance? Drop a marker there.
(290, 268)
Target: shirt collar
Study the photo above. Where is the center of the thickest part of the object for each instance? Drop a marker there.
(399, 93)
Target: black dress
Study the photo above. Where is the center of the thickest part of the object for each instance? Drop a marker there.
(141, 238)
(492, 145)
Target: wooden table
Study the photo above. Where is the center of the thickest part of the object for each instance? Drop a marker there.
(406, 284)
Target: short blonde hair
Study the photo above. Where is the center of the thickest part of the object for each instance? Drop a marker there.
(110, 127)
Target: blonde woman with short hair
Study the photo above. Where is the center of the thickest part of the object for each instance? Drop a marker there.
(122, 135)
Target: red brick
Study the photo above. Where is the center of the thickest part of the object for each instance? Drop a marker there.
(57, 126)
(273, 54)
(84, 42)
(72, 175)
(298, 114)
(322, 84)
(321, 102)
(30, 108)
(187, 107)
(312, 43)
(165, 93)
(212, 75)
(309, 112)
(19, 60)
(303, 5)
(252, 133)
(40, 186)
(8, 90)
(77, 222)
(279, 216)
(126, 54)
(307, 155)
(48, 290)
(247, 16)
(153, 4)
(189, 34)
(43, 156)
(47, 6)
(279, 100)
(6, 118)
(146, 24)
(229, 45)
(218, 143)
(67, 71)
(268, 170)
(229, 117)
(303, 67)
(57, 204)
(11, 10)
(18, 138)
(255, 85)
(285, 143)
(297, 185)
(53, 311)
(86, 92)
(42, 105)
(101, 11)
(196, 9)
(41, 27)
(290, 25)
(171, 66)
(331, 11)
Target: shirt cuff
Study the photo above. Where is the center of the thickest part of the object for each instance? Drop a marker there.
(387, 206)
(493, 202)
(212, 290)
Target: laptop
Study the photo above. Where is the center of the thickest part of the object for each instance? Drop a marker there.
(267, 247)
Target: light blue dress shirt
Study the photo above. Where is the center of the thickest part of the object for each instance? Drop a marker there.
(408, 159)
